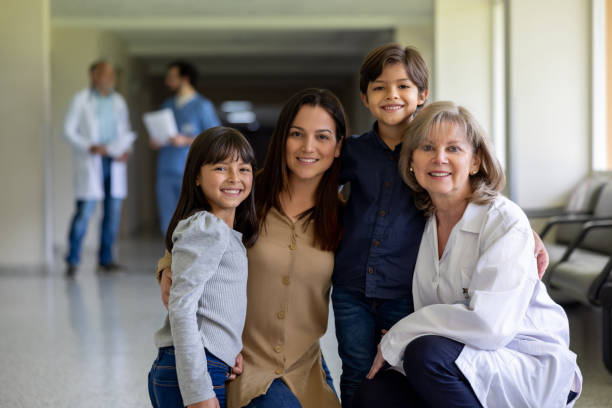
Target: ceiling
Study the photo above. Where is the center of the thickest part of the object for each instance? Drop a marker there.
(126, 9)
(246, 28)
(254, 38)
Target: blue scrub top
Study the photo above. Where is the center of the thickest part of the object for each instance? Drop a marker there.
(193, 118)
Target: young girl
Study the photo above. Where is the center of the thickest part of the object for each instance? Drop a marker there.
(202, 334)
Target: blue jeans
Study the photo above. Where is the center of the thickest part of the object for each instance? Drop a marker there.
(280, 396)
(168, 190)
(164, 389)
(110, 222)
(359, 321)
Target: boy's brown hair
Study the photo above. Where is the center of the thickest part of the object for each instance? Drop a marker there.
(392, 53)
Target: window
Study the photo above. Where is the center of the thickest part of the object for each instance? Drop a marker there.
(602, 85)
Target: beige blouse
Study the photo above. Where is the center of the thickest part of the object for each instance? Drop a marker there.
(287, 308)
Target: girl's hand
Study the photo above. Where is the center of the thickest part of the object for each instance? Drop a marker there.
(237, 368)
(541, 254)
(379, 361)
(165, 283)
(209, 403)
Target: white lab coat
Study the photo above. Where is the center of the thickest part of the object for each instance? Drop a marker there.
(516, 338)
(81, 130)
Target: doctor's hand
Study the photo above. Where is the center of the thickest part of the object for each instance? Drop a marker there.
(181, 140)
(165, 282)
(154, 145)
(123, 158)
(378, 363)
(541, 255)
(98, 149)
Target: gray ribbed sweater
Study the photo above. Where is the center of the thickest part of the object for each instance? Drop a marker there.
(207, 304)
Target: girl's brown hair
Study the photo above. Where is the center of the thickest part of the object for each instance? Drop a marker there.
(489, 179)
(273, 178)
(213, 146)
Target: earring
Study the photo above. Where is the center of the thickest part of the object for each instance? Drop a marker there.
(474, 172)
(411, 170)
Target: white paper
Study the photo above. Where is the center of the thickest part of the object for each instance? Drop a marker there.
(160, 125)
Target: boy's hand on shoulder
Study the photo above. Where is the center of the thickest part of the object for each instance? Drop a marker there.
(165, 283)
(209, 403)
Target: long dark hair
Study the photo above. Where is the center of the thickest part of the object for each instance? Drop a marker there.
(273, 178)
(213, 146)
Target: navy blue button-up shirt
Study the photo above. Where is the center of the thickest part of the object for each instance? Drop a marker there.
(382, 228)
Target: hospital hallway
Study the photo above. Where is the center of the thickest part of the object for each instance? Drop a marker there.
(535, 75)
(88, 341)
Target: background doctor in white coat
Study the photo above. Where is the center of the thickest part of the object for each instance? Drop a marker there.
(97, 126)
(484, 331)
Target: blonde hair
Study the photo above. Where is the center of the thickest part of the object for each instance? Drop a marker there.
(488, 180)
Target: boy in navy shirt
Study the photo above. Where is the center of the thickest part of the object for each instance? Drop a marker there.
(372, 280)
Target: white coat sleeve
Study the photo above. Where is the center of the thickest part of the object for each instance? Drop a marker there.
(198, 245)
(500, 291)
(72, 131)
(125, 137)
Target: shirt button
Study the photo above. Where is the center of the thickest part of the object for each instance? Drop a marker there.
(278, 349)
(281, 315)
(278, 371)
(382, 213)
(376, 243)
(387, 184)
(370, 270)
(286, 280)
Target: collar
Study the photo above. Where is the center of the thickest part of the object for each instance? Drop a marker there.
(97, 94)
(182, 101)
(381, 143)
(473, 218)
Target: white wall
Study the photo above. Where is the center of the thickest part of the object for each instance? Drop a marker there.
(550, 116)
(548, 97)
(462, 55)
(421, 37)
(24, 123)
(72, 51)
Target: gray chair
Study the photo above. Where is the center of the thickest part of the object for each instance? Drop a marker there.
(568, 221)
(605, 297)
(583, 271)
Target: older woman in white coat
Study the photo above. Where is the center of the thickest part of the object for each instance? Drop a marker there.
(484, 331)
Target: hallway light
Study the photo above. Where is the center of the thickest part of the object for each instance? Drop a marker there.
(241, 117)
(236, 106)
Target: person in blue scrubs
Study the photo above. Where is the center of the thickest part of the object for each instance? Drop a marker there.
(194, 114)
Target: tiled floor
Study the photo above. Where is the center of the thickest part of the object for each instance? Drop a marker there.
(88, 342)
